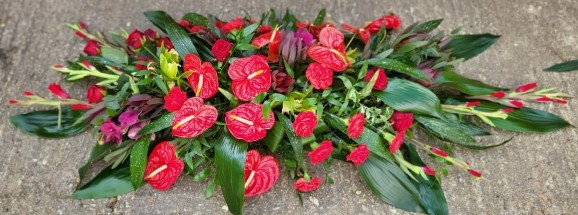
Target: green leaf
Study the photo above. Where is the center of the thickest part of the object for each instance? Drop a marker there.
(480, 147)
(114, 54)
(138, 160)
(464, 85)
(45, 123)
(98, 151)
(392, 186)
(245, 47)
(179, 37)
(406, 96)
(469, 46)
(108, 183)
(398, 66)
(444, 130)
(96, 60)
(160, 123)
(196, 19)
(374, 142)
(427, 27)
(211, 187)
(567, 66)
(467, 126)
(250, 29)
(274, 137)
(230, 161)
(320, 17)
(296, 143)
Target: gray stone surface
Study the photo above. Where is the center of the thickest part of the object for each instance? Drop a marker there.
(534, 174)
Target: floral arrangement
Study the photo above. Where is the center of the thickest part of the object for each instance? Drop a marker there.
(239, 102)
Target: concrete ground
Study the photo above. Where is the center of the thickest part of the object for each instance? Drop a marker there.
(533, 174)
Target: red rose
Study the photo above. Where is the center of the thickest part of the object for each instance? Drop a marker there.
(401, 121)
(321, 153)
(356, 125)
(304, 124)
(58, 91)
(94, 94)
(203, 79)
(250, 76)
(163, 167)
(306, 186)
(381, 82)
(261, 173)
(236, 24)
(221, 49)
(246, 122)
(396, 142)
(151, 34)
(175, 99)
(134, 39)
(358, 155)
(92, 48)
(193, 118)
(166, 42)
(319, 76)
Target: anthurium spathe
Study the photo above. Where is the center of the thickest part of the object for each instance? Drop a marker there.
(273, 38)
(193, 118)
(331, 51)
(261, 173)
(246, 122)
(203, 78)
(250, 76)
(163, 167)
(363, 34)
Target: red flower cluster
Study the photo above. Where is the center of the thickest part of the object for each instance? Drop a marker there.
(261, 173)
(329, 56)
(163, 167)
(400, 122)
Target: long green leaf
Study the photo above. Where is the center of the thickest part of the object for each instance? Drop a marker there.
(158, 124)
(274, 137)
(398, 66)
(469, 46)
(464, 85)
(296, 143)
(108, 183)
(567, 66)
(98, 151)
(179, 37)
(444, 130)
(320, 17)
(196, 19)
(407, 96)
(45, 123)
(138, 160)
(230, 160)
(426, 27)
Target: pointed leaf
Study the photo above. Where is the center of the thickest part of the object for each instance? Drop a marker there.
(45, 123)
(160, 123)
(296, 143)
(138, 160)
(567, 66)
(178, 35)
(398, 66)
(469, 46)
(108, 183)
(465, 85)
(274, 137)
(320, 17)
(407, 96)
(444, 130)
(230, 162)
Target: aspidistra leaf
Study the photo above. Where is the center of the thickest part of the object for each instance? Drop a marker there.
(45, 123)
(406, 96)
(469, 46)
(230, 161)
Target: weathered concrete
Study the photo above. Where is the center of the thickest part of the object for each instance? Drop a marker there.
(534, 174)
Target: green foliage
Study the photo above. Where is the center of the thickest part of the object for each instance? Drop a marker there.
(469, 46)
(406, 96)
(108, 183)
(567, 66)
(46, 123)
(230, 162)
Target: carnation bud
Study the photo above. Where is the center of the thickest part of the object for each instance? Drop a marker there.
(472, 104)
(475, 173)
(428, 171)
(526, 87)
(498, 94)
(439, 152)
(517, 103)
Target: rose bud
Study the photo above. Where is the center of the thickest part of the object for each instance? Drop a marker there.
(92, 48)
(135, 39)
(95, 93)
(151, 34)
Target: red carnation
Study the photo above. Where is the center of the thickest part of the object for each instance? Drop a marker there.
(250, 76)
(94, 94)
(358, 155)
(175, 99)
(304, 124)
(381, 82)
(401, 121)
(246, 122)
(203, 79)
(356, 125)
(331, 52)
(92, 48)
(58, 91)
(319, 76)
(193, 118)
(526, 87)
(135, 39)
(321, 153)
(261, 173)
(221, 49)
(163, 167)
(396, 142)
(306, 186)
(166, 42)
(236, 24)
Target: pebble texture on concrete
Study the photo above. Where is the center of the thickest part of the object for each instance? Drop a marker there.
(533, 174)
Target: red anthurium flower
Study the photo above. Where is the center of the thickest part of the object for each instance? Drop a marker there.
(472, 104)
(526, 87)
(203, 79)
(356, 125)
(58, 91)
(389, 21)
(221, 49)
(396, 142)
(361, 32)
(273, 38)
(358, 155)
(428, 171)
(475, 173)
(236, 24)
(193, 118)
(175, 99)
(498, 94)
(321, 153)
(319, 76)
(304, 124)
(307, 186)
(381, 82)
(246, 122)
(92, 48)
(251, 76)
(163, 167)
(94, 94)
(135, 39)
(261, 173)
(313, 29)
(331, 52)
(401, 121)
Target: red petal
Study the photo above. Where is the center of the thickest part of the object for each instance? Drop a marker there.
(319, 76)
(526, 87)
(192, 63)
(306, 186)
(349, 28)
(163, 154)
(210, 83)
(364, 35)
(237, 119)
(356, 125)
(428, 171)
(331, 58)
(304, 124)
(262, 40)
(331, 37)
(266, 173)
(321, 153)
(517, 103)
(475, 173)
(439, 152)
(498, 94)
(175, 99)
(396, 142)
(58, 91)
(80, 106)
(250, 76)
(193, 118)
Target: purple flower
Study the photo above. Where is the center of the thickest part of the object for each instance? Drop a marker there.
(127, 118)
(133, 131)
(111, 132)
(305, 36)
